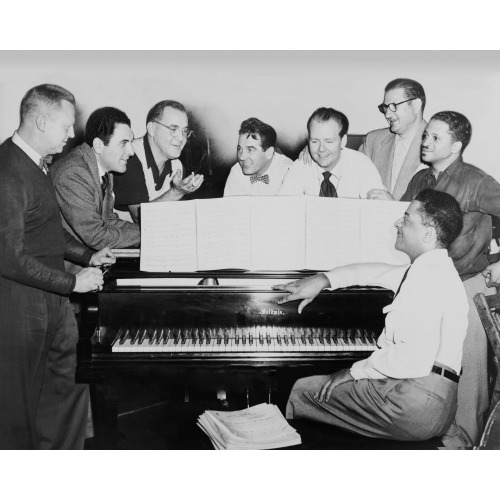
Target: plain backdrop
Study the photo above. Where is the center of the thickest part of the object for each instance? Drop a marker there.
(220, 89)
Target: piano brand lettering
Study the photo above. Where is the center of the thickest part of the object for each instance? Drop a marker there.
(268, 312)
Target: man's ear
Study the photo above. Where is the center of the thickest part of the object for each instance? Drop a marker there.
(430, 234)
(269, 152)
(417, 104)
(98, 145)
(456, 147)
(41, 122)
(150, 128)
(343, 142)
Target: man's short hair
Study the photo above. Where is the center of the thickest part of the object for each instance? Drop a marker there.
(413, 89)
(460, 126)
(327, 114)
(442, 211)
(47, 93)
(102, 123)
(157, 110)
(257, 129)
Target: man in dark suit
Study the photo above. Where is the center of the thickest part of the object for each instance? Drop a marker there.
(83, 181)
(396, 150)
(41, 405)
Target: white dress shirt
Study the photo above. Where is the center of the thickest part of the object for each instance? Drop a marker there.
(353, 176)
(426, 322)
(239, 184)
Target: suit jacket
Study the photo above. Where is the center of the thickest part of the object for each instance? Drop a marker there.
(86, 215)
(379, 146)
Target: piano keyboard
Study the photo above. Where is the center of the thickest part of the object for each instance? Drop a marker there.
(244, 340)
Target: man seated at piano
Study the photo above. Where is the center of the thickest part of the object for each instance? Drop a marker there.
(83, 181)
(326, 167)
(155, 173)
(407, 388)
(261, 169)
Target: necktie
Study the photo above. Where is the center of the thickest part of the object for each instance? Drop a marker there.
(401, 284)
(105, 182)
(44, 163)
(263, 178)
(327, 189)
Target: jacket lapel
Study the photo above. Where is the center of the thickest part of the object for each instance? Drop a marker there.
(410, 165)
(385, 156)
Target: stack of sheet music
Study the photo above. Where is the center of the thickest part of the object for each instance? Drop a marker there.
(260, 427)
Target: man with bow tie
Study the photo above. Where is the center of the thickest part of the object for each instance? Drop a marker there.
(83, 181)
(260, 170)
(41, 406)
(326, 167)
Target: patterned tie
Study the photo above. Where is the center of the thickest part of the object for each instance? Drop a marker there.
(327, 189)
(105, 182)
(263, 178)
(45, 161)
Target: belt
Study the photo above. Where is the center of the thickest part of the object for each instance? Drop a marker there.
(445, 373)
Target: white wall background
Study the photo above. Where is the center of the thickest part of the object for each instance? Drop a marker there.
(221, 89)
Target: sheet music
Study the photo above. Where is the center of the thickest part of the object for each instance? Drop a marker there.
(332, 232)
(278, 232)
(268, 233)
(378, 233)
(223, 233)
(168, 236)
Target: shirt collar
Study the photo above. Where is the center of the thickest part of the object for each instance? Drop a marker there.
(451, 169)
(436, 255)
(336, 171)
(100, 169)
(18, 141)
(158, 178)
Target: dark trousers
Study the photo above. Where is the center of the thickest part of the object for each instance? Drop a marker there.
(41, 406)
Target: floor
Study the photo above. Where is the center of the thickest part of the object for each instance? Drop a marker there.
(172, 425)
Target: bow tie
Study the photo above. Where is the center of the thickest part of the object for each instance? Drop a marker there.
(44, 163)
(263, 178)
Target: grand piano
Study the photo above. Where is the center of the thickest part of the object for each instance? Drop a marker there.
(148, 338)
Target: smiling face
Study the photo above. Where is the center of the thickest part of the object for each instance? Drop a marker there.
(58, 127)
(438, 147)
(406, 115)
(411, 232)
(251, 157)
(167, 145)
(113, 156)
(325, 143)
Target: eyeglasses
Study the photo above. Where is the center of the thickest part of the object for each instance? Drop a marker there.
(174, 130)
(392, 106)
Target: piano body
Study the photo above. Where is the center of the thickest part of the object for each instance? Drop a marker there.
(150, 338)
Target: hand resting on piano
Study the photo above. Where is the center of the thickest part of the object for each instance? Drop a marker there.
(305, 289)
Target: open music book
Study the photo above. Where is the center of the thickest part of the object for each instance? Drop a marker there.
(260, 427)
(268, 233)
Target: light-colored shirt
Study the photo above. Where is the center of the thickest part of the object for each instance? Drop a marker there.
(239, 184)
(36, 157)
(401, 147)
(353, 176)
(426, 322)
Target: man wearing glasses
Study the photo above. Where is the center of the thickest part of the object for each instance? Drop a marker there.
(155, 173)
(396, 150)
